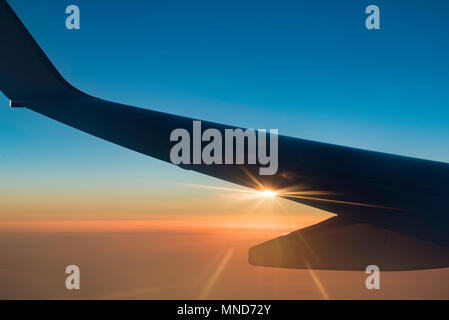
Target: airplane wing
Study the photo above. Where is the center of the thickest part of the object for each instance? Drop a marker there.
(377, 192)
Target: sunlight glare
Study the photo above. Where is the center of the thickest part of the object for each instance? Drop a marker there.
(268, 193)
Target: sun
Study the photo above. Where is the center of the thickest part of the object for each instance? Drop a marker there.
(267, 193)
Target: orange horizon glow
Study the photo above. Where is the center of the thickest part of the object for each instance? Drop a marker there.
(287, 223)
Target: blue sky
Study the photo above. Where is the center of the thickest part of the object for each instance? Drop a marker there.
(310, 69)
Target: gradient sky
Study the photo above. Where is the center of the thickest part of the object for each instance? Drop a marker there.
(312, 70)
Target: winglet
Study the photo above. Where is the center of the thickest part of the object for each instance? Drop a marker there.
(26, 74)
